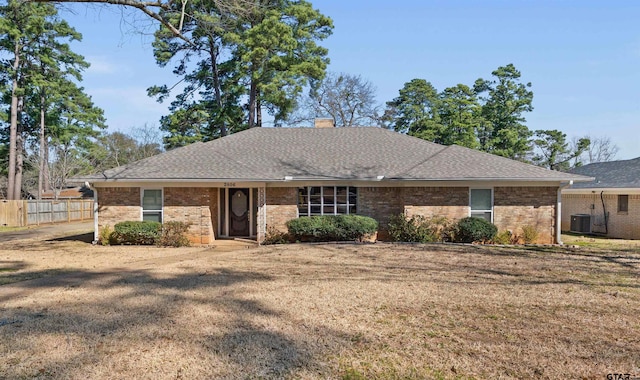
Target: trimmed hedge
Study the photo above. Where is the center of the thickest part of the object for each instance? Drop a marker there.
(136, 232)
(331, 228)
(471, 230)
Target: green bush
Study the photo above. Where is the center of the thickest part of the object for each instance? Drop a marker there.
(470, 230)
(173, 235)
(418, 229)
(136, 232)
(331, 228)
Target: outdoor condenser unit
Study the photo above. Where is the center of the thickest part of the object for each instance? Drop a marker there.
(581, 223)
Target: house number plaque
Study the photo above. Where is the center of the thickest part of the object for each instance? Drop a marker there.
(229, 184)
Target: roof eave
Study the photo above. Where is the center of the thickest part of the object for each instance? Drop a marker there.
(287, 179)
(584, 190)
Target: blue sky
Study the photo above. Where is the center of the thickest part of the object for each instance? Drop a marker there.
(582, 57)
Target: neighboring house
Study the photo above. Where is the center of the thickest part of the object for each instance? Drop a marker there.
(247, 183)
(78, 192)
(610, 205)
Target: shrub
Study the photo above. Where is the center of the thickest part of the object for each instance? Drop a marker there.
(275, 236)
(505, 237)
(410, 230)
(418, 229)
(106, 235)
(331, 228)
(353, 227)
(529, 234)
(173, 235)
(470, 230)
(136, 232)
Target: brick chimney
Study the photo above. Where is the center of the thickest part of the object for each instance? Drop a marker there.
(324, 123)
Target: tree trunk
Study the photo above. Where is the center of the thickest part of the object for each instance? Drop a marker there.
(213, 50)
(13, 127)
(258, 110)
(46, 176)
(41, 164)
(17, 187)
(252, 103)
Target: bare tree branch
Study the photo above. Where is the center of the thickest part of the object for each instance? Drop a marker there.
(154, 9)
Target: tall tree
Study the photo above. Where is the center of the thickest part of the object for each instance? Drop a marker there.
(15, 24)
(277, 48)
(416, 111)
(348, 99)
(263, 56)
(55, 69)
(212, 87)
(504, 101)
(460, 116)
(553, 151)
(42, 72)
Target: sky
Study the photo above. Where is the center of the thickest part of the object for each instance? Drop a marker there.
(582, 57)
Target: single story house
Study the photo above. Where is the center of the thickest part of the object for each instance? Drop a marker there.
(610, 205)
(77, 192)
(247, 183)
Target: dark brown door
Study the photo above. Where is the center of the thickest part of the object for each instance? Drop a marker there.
(238, 212)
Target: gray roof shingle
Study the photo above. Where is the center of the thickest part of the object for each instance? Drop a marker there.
(612, 174)
(358, 153)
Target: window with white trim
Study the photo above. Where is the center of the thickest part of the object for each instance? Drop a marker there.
(327, 200)
(481, 203)
(152, 205)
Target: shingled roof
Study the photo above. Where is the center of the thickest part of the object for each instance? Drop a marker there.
(364, 153)
(611, 175)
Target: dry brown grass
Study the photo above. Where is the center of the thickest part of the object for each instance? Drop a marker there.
(317, 311)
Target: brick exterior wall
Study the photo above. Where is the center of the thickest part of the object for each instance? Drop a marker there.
(193, 205)
(190, 205)
(515, 207)
(281, 206)
(622, 225)
(380, 203)
(450, 202)
(118, 204)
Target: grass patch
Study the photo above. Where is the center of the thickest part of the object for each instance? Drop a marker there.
(599, 242)
(11, 276)
(12, 229)
(383, 311)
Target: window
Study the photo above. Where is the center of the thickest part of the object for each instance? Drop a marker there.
(152, 205)
(327, 200)
(481, 202)
(623, 203)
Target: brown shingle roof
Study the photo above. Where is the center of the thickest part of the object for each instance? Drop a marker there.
(270, 154)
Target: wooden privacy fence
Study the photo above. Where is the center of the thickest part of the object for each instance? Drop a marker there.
(32, 212)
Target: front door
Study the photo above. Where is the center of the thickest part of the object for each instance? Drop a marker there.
(239, 212)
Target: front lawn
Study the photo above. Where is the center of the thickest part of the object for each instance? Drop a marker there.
(341, 311)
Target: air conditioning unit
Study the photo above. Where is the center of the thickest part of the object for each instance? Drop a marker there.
(581, 223)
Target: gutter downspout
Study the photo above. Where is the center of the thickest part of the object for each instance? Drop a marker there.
(96, 235)
(559, 212)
